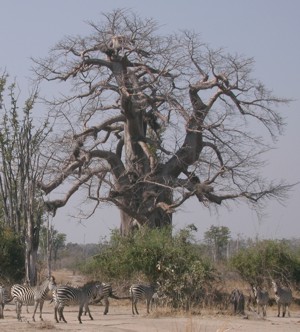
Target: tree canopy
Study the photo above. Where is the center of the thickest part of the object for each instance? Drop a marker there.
(147, 121)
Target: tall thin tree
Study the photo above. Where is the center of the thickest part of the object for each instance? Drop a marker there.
(20, 171)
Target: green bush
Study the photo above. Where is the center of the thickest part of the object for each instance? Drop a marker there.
(12, 266)
(265, 260)
(153, 255)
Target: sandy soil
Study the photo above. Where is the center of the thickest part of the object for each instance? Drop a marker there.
(120, 319)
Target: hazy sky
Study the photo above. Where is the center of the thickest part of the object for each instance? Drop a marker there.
(267, 30)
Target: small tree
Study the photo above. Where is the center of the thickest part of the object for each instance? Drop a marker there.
(217, 239)
(51, 242)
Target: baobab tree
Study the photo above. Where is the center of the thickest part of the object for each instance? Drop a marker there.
(148, 121)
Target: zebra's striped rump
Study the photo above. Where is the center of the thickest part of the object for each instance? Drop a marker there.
(141, 292)
(283, 297)
(262, 299)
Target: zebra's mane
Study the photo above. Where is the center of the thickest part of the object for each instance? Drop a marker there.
(90, 283)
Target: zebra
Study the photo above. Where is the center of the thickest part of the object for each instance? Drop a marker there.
(262, 299)
(66, 295)
(283, 297)
(22, 294)
(3, 300)
(237, 298)
(106, 291)
(140, 292)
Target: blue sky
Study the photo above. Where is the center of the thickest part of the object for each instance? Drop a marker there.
(264, 29)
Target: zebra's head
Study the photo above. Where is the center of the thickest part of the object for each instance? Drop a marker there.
(275, 286)
(256, 289)
(52, 284)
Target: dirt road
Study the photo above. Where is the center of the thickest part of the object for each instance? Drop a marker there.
(120, 319)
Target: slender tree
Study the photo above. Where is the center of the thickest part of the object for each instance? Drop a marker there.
(149, 121)
(20, 171)
(51, 242)
(217, 238)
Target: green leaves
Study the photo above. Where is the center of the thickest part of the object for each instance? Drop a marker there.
(265, 260)
(11, 256)
(152, 255)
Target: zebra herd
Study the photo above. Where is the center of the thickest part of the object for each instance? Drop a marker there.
(283, 298)
(65, 295)
(93, 292)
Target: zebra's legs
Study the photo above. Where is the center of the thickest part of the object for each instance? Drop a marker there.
(1, 310)
(148, 306)
(288, 310)
(87, 310)
(18, 309)
(106, 306)
(80, 313)
(55, 312)
(285, 308)
(61, 313)
(41, 303)
(34, 311)
(134, 307)
(41, 310)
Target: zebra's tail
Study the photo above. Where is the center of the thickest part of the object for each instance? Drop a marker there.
(9, 300)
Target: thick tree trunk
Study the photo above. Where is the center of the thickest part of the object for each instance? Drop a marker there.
(145, 206)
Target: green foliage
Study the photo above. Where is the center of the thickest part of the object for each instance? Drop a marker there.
(267, 259)
(131, 257)
(153, 255)
(22, 139)
(217, 238)
(12, 266)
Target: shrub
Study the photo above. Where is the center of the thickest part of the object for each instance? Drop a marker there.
(267, 259)
(12, 266)
(152, 256)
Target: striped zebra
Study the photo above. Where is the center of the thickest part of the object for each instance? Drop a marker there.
(262, 299)
(3, 300)
(22, 294)
(237, 298)
(68, 295)
(141, 292)
(106, 291)
(283, 297)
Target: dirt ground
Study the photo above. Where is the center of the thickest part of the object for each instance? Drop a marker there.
(120, 319)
